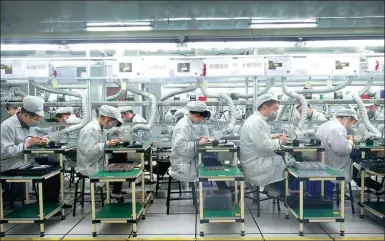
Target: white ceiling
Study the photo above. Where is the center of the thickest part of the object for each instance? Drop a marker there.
(182, 20)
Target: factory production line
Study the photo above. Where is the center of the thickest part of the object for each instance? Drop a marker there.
(143, 205)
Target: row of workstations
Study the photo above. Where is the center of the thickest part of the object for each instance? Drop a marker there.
(39, 212)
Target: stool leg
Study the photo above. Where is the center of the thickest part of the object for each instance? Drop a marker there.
(75, 198)
(157, 180)
(83, 188)
(258, 201)
(102, 196)
(168, 194)
(338, 194)
(351, 197)
(180, 188)
(278, 206)
(194, 196)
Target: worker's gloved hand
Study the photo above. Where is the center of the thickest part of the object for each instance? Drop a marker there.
(290, 162)
(309, 133)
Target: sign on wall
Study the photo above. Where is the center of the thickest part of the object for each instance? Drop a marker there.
(188, 67)
(11, 69)
(278, 65)
(128, 67)
(35, 69)
(320, 65)
(249, 66)
(218, 66)
(299, 65)
(346, 65)
(156, 68)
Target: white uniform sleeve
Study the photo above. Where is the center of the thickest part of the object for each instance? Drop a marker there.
(8, 147)
(204, 131)
(88, 142)
(338, 141)
(182, 146)
(261, 137)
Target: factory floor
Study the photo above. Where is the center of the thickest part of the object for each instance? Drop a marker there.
(183, 224)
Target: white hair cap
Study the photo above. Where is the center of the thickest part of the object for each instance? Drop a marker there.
(263, 98)
(347, 112)
(110, 111)
(197, 106)
(64, 110)
(123, 109)
(180, 112)
(34, 104)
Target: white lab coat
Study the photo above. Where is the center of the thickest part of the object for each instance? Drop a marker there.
(183, 156)
(225, 117)
(333, 136)
(308, 129)
(168, 118)
(363, 134)
(90, 152)
(261, 166)
(12, 143)
(73, 119)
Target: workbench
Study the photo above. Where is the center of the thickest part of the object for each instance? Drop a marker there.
(140, 150)
(313, 214)
(376, 208)
(37, 212)
(225, 173)
(118, 212)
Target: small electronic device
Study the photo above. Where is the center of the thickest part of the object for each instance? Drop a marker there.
(133, 144)
(314, 142)
(295, 142)
(369, 142)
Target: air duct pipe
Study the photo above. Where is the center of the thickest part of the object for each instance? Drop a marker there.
(117, 94)
(364, 116)
(230, 103)
(269, 85)
(299, 97)
(181, 91)
(328, 90)
(145, 127)
(367, 86)
(83, 100)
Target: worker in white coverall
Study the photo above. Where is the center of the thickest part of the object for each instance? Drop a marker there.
(308, 129)
(169, 117)
(261, 165)
(92, 141)
(186, 135)
(361, 135)
(336, 141)
(19, 132)
(12, 109)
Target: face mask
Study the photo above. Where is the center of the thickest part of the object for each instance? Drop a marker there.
(371, 113)
(272, 117)
(33, 123)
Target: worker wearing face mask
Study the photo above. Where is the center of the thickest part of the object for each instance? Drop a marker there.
(185, 134)
(65, 115)
(170, 115)
(308, 129)
(337, 142)
(261, 166)
(373, 114)
(19, 132)
(92, 140)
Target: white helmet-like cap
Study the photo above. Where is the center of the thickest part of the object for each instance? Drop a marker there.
(197, 106)
(173, 108)
(112, 112)
(263, 98)
(180, 113)
(64, 110)
(34, 104)
(347, 112)
(123, 109)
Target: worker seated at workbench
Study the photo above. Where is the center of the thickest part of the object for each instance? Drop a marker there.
(92, 141)
(19, 132)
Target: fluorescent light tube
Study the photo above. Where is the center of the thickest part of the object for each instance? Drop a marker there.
(119, 28)
(26, 47)
(118, 24)
(209, 18)
(345, 43)
(283, 21)
(289, 25)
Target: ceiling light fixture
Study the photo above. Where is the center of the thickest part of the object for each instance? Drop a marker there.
(118, 28)
(283, 23)
(101, 24)
(212, 18)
